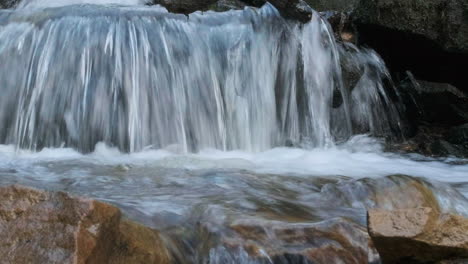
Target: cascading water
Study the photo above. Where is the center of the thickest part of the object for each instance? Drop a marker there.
(139, 77)
(237, 135)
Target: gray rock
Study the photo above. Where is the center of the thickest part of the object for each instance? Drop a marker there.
(443, 21)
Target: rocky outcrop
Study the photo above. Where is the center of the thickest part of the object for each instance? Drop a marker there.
(419, 235)
(44, 227)
(442, 21)
(428, 38)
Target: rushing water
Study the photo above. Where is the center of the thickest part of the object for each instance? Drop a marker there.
(214, 118)
(140, 78)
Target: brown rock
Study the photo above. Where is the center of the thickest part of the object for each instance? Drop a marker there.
(45, 227)
(418, 235)
(333, 241)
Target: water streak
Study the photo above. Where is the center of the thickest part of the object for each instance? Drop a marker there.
(139, 77)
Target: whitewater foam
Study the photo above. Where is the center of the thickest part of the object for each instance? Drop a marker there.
(361, 157)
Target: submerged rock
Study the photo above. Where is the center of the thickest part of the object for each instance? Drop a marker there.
(332, 241)
(45, 227)
(419, 235)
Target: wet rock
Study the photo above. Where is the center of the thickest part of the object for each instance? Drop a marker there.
(435, 111)
(434, 141)
(45, 227)
(4, 4)
(294, 9)
(458, 135)
(332, 241)
(225, 5)
(418, 235)
(336, 5)
(434, 103)
(342, 26)
(185, 6)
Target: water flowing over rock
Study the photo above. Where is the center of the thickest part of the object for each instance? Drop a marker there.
(43, 227)
(143, 78)
(418, 235)
(332, 241)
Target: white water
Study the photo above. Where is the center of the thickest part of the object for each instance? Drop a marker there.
(138, 77)
(360, 157)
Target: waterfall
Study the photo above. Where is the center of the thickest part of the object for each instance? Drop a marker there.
(137, 77)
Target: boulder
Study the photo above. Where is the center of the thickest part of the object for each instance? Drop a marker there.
(48, 227)
(418, 235)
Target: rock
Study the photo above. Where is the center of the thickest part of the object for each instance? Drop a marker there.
(433, 103)
(332, 241)
(185, 6)
(4, 4)
(44, 227)
(418, 235)
(333, 5)
(441, 21)
(342, 26)
(293, 9)
(458, 135)
(428, 38)
(435, 111)
(225, 5)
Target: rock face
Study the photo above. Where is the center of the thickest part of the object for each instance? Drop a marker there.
(419, 235)
(333, 5)
(443, 21)
(43, 227)
(437, 112)
(185, 6)
(428, 38)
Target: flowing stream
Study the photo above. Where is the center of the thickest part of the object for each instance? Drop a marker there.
(212, 117)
